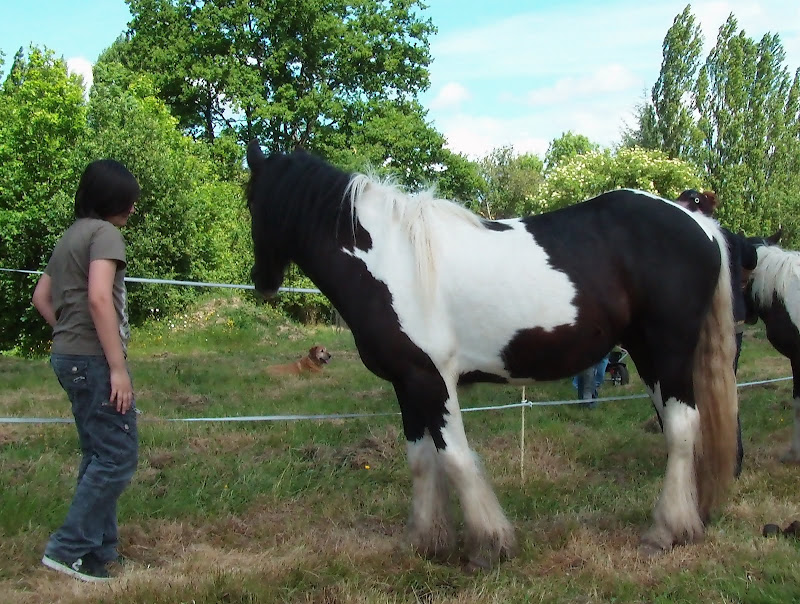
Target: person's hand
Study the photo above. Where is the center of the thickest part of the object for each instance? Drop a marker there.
(121, 390)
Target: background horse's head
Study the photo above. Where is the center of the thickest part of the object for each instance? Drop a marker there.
(270, 256)
(771, 240)
(695, 201)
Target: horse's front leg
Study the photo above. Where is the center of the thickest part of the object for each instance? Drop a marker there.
(430, 525)
(440, 458)
(489, 536)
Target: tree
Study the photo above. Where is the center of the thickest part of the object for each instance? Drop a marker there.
(286, 71)
(189, 224)
(390, 138)
(748, 117)
(668, 123)
(736, 117)
(44, 119)
(511, 182)
(567, 146)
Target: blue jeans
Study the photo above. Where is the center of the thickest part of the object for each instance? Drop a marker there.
(109, 442)
(589, 381)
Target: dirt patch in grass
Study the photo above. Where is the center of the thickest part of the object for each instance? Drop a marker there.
(13, 434)
(379, 446)
(188, 402)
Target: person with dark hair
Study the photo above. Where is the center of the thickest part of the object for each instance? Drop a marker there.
(742, 258)
(82, 296)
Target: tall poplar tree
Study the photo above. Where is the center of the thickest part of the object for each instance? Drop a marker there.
(668, 124)
(736, 118)
(750, 142)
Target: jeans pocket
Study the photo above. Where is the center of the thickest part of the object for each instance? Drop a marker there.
(117, 434)
(72, 373)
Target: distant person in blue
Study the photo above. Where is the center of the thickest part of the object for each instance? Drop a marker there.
(589, 381)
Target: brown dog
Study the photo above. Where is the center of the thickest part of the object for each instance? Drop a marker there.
(311, 363)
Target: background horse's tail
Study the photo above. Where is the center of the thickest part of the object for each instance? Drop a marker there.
(715, 394)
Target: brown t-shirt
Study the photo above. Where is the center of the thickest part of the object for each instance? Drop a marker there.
(86, 240)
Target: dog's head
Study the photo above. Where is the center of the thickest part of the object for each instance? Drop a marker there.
(319, 355)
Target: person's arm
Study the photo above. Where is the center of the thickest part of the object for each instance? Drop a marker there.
(106, 323)
(43, 300)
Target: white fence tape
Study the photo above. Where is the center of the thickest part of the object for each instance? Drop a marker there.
(276, 418)
(335, 416)
(302, 290)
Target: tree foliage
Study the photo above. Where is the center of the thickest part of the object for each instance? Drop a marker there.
(736, 116)
(190, 223)
(749, 122)
(511, 182)
(336, 77)
(669, 126)
(284, 71)
(567, 146)
(44, 118)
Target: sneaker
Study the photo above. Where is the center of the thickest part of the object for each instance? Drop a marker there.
(85, 571)
(114, 567)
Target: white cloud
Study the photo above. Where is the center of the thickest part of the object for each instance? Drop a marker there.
(537, 74)
(82, 67)
(475, 136)
(451, 95)
(605, 79)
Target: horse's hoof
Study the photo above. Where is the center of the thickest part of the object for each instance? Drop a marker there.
(483, 554)
(655, 542)
(771, 530)
(476, 564)
(792, 457)
(440, 551)
(435, 541)
(793, 530)
(651, 550)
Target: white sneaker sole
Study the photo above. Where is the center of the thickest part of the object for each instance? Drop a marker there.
(63, 568)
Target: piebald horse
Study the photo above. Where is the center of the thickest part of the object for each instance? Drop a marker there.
(773, 294)
(436, 296)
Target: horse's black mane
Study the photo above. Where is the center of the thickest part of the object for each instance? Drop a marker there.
(298, 190)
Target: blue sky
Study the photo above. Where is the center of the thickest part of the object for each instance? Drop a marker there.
(504, 72)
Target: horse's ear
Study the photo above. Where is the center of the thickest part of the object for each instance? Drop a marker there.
(254, 154)
(774, 239)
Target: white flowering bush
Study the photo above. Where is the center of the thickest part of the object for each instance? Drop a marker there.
(589, 174)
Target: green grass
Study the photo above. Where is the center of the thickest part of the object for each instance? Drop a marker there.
(315, 511)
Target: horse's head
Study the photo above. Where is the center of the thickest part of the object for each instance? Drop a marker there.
(270, 257)
(771, 240)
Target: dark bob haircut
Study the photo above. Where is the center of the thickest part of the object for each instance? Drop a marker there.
(107, 188)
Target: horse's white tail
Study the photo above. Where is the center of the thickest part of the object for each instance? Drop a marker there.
(715, 395)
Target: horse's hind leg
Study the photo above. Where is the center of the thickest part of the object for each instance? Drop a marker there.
(793, 454)
(676, 517)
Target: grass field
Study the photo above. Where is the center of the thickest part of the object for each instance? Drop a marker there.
(315, 511)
